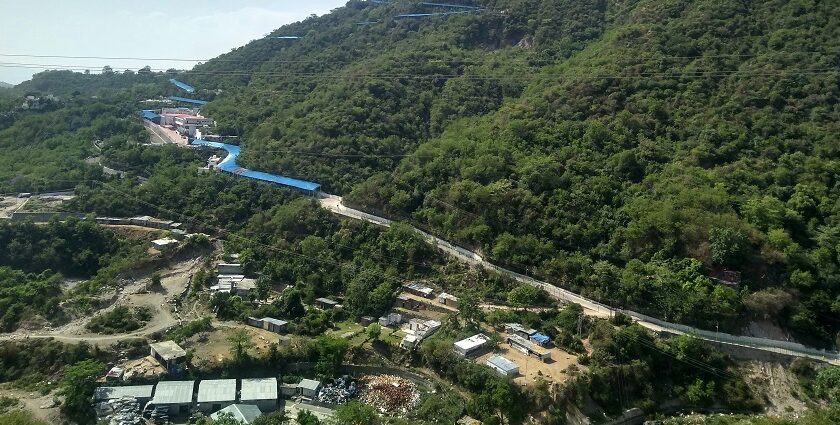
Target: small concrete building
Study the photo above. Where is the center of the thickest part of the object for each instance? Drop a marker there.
(391, 319)
(216, 394)
(471, 345)
(174, 396)
(366, 320)
(408, 303)
(503, 366)
(518, 329)
(165, 244)
(325, 303)
(170, 355)
(143, 393)
(274, 325)
(309, 388)
(419, 290)
(423, 328)
(243, 413)
(260, 392)
(288, 390)
(448, 300)
(528, 348)
(409, 342)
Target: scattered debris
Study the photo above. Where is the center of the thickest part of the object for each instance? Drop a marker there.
(120, 411)
(389, 394)
(340, 391)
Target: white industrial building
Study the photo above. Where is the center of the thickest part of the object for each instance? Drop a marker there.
(185, 123)
(215, 394)
(259, 392)
(503, 366)
(164, 244)
(175, 396)
(242, 413)
(471, 345)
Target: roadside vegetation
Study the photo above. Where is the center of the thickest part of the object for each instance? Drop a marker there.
(121, 319)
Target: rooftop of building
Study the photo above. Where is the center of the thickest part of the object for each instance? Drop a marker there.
(502, 363)
(309, 384)
(169, 350)
(472, 342)
(258, 389)
(210, 390)
(173, 392)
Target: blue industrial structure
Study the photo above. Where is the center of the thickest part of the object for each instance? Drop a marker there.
(151, 115)
(229, 165)
(183, 86)
(457, 6)
(426, 15)
(185, 100)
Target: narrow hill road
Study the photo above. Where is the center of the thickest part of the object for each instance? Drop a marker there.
(591, 307)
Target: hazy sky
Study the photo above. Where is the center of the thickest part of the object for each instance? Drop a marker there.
(192, 29)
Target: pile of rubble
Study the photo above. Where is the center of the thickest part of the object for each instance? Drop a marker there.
(389, 394)
(340, 391)
(120, 411)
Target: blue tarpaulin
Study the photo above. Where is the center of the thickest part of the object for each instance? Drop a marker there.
(183, 86)
(229, 165)
(185, 100)
(540, 338)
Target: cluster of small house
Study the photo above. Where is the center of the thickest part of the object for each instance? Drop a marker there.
(235, 396)
(528, 341)
(443, 298)
(231, 279)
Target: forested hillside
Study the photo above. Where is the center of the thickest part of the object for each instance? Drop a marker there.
(629, 150)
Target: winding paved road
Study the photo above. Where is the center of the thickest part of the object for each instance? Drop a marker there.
(591, 307)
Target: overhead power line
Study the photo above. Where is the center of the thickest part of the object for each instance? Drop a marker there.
(431, 60)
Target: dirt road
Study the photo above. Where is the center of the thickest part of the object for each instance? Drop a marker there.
(174, 280)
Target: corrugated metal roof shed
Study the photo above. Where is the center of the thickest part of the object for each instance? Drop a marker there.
(137, 391)
(502, 364)
(244, 413)
(210, 390)
(277, 322)
(174, 392)
(309, 384)
(258, 389)
(149, 114)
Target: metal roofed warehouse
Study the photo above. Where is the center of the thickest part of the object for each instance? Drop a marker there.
(174, 393)
(503, 365)
(214, 394)
(261, 392)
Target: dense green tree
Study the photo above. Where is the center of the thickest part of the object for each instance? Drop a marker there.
(77, 386)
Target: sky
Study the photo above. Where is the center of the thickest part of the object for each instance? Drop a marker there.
(188, 29)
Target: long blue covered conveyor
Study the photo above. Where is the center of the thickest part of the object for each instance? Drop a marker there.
(229, 165)
(183, 86)
(185, 100)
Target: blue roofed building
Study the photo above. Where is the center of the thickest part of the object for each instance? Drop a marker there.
(183, 86)
(186, 100)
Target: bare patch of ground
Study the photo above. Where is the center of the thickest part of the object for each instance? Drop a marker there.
(554, 370)
(214, 347)
(776, 385)
(9, 205)
(41, 406)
